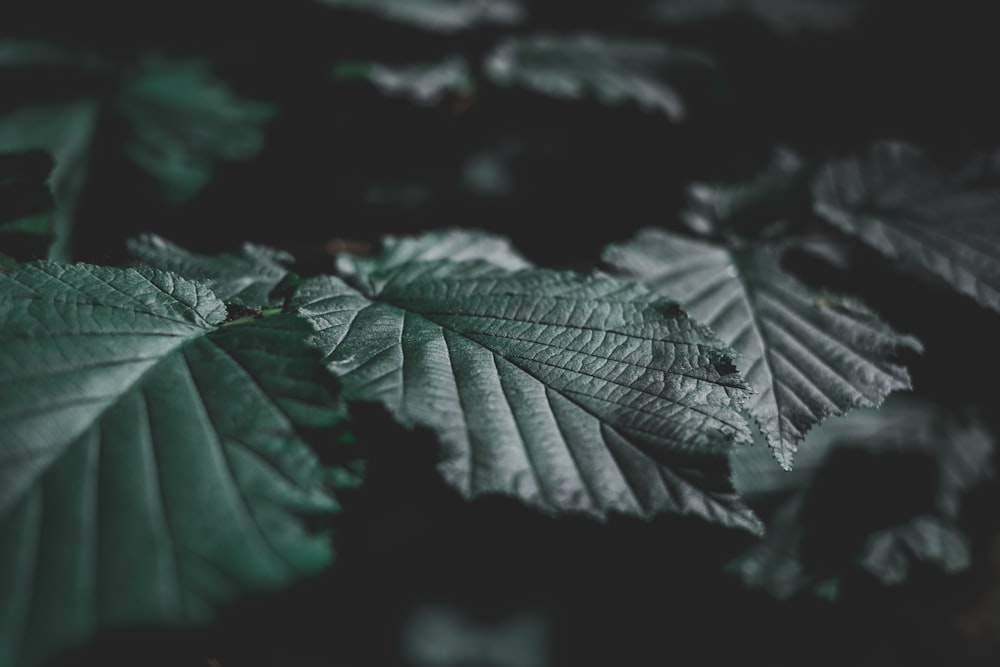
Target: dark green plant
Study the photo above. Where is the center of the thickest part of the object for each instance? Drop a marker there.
(180, 429)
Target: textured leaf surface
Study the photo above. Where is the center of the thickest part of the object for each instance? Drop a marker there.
(27, 218)
(572, 393)
(959, 450)
(440, 15)
(807, 355)
(898, 201)
(150, 468)
(615, 70)
(247, 278)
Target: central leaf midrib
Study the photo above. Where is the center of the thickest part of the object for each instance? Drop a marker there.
(602, 419)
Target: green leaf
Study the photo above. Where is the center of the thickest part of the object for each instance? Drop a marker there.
(439, 15)
(807, 355)
(150, 463)
(583, 394)
(66, 131)
(899, 202)
(783, 16)
(615, 70)
(248, 278)
(960, 450)
(27, 220)
(181, 119)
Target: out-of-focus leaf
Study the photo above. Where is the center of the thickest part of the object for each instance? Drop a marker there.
(807, 355)
(784, 16)
(584, 394)
(182, 121)
(901, 203)
(27, 218)
(439, 15)
(959, 450)
(151, 467)
(615, 70)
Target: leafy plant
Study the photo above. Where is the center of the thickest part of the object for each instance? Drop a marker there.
(522, 317)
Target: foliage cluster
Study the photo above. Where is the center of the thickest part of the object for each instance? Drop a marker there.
(445, 332)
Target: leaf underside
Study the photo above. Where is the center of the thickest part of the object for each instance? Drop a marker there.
(150, 466)
(807, 355)
(575, 394)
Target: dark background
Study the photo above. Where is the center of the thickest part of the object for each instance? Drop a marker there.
(345, 163)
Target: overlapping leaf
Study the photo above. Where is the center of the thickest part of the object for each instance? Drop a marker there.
(807, 355)
(574, 393)
(150, 462)
(614, 70)
(959, 451)
(27, 219)
(247, 278)
(898, 201)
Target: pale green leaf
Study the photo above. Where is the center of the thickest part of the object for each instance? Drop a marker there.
(959, 449)
(425, 83)
(27, 218)
(784, 16)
